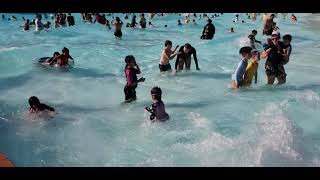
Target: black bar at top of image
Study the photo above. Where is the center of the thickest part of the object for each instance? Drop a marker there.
(30, 6)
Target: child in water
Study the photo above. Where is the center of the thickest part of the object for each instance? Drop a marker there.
(157, 109)
(36, 106)
(131, 70)
(252, 69)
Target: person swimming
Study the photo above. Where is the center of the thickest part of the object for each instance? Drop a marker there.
(3, 16)
(62, 59)
(208, 31)
(117, 25)
(231, 30)
(167, 55)
(157, 108)
(131, 71)
(133, 21)
(38, 23)
(179, 23)
(151, 25)
(36, 106)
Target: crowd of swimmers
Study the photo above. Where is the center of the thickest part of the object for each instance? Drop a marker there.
(275, 51)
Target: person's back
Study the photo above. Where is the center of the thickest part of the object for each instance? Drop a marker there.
(70, 20)
(159, 111)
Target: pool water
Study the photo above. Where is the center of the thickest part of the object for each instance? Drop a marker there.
(210, 125)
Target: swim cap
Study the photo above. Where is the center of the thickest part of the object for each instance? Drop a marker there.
(156, 91)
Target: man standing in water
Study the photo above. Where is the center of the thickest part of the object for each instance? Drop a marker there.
(167, 55)
(184, 57)
(117, 25)
(268, 24)
(208, 30)
(275, 58)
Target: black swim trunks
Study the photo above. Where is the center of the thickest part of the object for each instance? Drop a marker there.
(118, 33)
(164, 68)
(275, 71)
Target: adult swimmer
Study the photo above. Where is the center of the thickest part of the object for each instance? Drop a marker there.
(184, 57)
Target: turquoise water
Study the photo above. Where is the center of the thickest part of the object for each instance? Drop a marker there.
(210, 125)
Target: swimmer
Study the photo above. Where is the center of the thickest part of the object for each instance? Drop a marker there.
(179, 23)
(151, 25)
(63, 58)
(252, 69)
(38, 23)
(55, 54)
(56, 21)
(165, 25)
(236, 19)
(36, 106)
(117, 25)
(242, 21)
(208, 31)
(62, 20)
(47, 25)
(70, 20)
(237, 77)
(268, 24)
(133, 21)
(275, 58)
(128, 25)
(293, 18)
(157, 108)
(131, 71)
(184, 58)
(126, 16)
(142, 22)
(252, 38)
(26, 26)
(194, 22)
(186, 20)
(167, 55)
(231, 30)
(23, 19)
(3, 16)
(14, 18)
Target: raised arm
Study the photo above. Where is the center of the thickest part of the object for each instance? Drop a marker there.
(195, 58)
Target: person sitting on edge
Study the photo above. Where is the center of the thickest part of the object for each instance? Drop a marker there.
(237, 77)
(167, 55)
(184, 57)
(157, 108)
(36, 106)
(252, 69)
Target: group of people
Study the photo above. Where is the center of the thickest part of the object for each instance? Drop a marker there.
(276, 52)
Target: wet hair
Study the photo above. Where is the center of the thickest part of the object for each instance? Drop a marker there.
(237, 15)
(117, 19)
(209, 21)
(56, 53)
(34, 101)
(272, 15)
(128, 59)
(3, 16)
(28, 20)
(69, 14)
(167, 42)
(142, 15)
(156, 92)
(242, 21)
(165, 26)
(150, 23)
(65, 50)
(254, 31)
(187, 45)
(245, 50)
(287, 37)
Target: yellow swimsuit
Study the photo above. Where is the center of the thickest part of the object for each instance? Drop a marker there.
(250, 72)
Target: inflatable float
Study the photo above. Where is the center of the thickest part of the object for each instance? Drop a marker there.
(5, 162)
